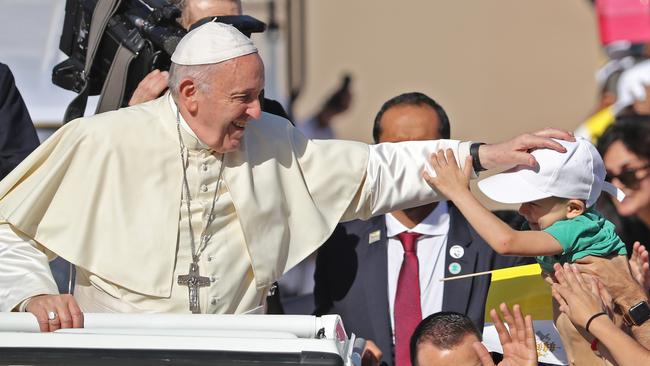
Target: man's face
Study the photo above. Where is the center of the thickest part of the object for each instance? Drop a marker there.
(461, 355)
(231, 101)
(407, 122)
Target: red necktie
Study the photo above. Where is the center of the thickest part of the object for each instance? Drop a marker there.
(407, 312)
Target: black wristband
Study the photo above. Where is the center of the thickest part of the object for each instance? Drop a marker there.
(476, 162)
(592, 318)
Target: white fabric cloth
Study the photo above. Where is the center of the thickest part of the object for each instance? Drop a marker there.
(24, 271)
(237, 254)
(632, 85)
(431, 258)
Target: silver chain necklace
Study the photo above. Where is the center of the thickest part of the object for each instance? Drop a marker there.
(193, 280)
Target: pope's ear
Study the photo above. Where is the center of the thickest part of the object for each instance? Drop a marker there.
(187, 95)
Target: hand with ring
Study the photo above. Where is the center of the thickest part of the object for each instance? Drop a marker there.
(54, 312)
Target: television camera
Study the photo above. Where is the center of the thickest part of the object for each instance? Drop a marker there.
(134, 37)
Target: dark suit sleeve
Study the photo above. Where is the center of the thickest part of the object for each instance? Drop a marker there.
(322, 276)
(17, 133)
(274, 107)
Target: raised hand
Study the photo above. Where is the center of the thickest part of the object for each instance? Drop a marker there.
(579, 298)
(449, 179)
(519, 348)
(639, 266)
(614, 274)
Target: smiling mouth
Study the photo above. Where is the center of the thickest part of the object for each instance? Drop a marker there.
(239, 124)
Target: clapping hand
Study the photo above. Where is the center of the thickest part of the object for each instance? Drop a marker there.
(580, 298)
(639, 266)
(518, 340)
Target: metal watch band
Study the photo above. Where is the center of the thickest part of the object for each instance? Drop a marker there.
(638, 314)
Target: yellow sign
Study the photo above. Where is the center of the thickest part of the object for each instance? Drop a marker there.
(521, 285)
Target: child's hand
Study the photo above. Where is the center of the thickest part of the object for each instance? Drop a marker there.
(449, 179)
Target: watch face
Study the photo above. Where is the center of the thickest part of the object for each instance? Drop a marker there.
(640, 312)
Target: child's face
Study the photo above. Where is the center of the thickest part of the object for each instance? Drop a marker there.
(541, 214)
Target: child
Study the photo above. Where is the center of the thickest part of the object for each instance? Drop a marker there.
(556, 200)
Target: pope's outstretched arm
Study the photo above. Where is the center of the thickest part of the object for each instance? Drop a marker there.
(393, 176)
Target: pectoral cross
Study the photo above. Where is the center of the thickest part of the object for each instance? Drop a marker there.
(193, 282)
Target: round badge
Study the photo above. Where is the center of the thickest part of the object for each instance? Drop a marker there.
(455, 268)
(456, 251)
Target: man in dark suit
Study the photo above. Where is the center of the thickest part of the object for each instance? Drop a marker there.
(17, 133)
(359, 269)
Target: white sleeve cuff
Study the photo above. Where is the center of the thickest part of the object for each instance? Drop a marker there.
(24, 270)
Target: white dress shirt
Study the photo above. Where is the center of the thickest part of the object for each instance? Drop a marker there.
(431, 258)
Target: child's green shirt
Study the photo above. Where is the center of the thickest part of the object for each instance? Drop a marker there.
(587, 234)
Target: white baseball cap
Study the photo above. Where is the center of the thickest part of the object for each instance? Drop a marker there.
(579, 173)
(212, 43)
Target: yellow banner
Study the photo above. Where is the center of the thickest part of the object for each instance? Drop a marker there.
(521, 285)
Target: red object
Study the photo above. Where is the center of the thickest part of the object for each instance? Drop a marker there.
(623, 20)
(407, 312)
(594, 345)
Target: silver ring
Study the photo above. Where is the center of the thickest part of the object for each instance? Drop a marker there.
(51, 315)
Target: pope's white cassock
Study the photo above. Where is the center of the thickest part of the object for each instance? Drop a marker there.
(105, 193)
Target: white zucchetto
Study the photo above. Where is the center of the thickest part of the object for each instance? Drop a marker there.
(212, 43)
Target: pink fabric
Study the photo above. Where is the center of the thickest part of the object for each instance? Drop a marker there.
(623, 20)
(408, 312)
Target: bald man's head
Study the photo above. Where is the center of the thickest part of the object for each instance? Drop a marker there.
(195, 10)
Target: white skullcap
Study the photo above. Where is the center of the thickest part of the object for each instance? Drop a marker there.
(212, 43)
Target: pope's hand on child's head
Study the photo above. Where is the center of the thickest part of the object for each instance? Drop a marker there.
(449, 180)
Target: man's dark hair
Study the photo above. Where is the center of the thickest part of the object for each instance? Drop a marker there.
(444, 329)
(413, 98)
(632, 131)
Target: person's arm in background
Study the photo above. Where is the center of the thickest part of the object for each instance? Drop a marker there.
(580, 299)
(17, 133)
(625, 291)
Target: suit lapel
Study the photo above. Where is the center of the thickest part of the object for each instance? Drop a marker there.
(374, 254)
(456, 293)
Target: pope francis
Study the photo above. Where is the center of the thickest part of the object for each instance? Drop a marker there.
(197, 201)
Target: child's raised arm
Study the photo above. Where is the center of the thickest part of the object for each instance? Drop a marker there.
(453, 183)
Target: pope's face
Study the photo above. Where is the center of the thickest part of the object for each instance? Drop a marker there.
(230, 102)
